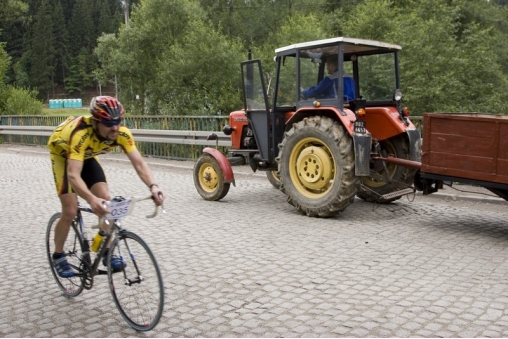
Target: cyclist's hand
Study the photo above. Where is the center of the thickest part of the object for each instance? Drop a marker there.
(98, 206)
(158, 195)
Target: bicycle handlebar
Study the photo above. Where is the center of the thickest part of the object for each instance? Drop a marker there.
(156, 211)
(133, 201)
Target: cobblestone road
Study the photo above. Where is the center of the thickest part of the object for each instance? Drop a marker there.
(250, 266)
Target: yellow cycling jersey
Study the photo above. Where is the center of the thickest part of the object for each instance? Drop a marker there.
(75, 139)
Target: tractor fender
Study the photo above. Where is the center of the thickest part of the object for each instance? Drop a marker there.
(224, 164)
(346, 117)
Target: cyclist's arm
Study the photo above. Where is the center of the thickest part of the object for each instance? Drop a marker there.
(74, 168)
(145, 174)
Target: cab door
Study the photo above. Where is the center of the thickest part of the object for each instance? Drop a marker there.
(256, 106)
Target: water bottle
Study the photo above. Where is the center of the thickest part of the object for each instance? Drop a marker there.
(97, 240)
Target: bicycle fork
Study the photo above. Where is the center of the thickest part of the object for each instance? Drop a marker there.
(127, 280)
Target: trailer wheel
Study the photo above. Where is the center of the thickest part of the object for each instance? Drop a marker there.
(316, 167)
(402, 176)
(273, 178)
(209, 179)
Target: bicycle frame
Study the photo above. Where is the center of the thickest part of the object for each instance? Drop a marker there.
(88, 269)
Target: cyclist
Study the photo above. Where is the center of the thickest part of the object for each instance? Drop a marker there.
(74, 147)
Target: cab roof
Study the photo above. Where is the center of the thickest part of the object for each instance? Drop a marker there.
(350, 45)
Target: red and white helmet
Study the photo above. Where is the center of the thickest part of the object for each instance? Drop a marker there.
(106, 108)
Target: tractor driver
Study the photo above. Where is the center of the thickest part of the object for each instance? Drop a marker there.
(328, 86)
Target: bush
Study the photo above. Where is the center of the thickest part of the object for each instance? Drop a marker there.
(20, 101)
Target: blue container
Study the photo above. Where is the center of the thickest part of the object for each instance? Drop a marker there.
(80, 103)
(51, 103)
(58, 103)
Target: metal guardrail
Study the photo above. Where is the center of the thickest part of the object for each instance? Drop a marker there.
(173, 137)
(141, 135)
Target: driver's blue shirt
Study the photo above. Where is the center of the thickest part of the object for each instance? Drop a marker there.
(329, 86)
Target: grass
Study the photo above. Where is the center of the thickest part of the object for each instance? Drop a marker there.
(66, 111)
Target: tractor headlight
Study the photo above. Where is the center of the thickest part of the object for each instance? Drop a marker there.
(397, 95)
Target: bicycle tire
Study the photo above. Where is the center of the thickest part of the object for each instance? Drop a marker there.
(73, 248)
(140, 303)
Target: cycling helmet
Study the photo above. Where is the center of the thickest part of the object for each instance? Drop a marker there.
(106, 108)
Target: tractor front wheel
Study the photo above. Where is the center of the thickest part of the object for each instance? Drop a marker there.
(209, 178)
(317, 167)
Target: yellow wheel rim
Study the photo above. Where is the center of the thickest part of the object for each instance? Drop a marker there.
(312, 167)
(275, 176)
(208, 178)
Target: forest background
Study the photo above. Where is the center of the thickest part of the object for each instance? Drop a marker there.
(182, 57)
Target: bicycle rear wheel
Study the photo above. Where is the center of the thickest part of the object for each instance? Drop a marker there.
(73, 248)
(137, 290)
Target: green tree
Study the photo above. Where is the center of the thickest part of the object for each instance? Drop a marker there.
(12, 9)
(60, 35)
(444, 66)
(108, 53)
(81, 72)
(154, 27)
(43, 50)
(12, 16)
(253, 21)
(82, 28)
(200, 74)
(107, 15)
(82, 39)
(14, 100)
(4, 64)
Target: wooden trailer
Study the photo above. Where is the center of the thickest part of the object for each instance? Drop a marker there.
(468, 148)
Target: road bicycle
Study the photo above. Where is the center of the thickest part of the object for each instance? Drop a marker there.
(137, 289)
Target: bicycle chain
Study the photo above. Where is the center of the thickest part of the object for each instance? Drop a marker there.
(85, 267)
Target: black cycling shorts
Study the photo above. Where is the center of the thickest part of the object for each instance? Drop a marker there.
(92, 172)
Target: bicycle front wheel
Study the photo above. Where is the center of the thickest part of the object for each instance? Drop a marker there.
(73, 248)
(137, 289)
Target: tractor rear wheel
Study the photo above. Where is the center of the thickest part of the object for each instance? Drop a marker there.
(396, 177)
(209, 178)
(317, 167)
(273, 178)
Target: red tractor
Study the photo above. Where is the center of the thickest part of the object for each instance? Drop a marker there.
(321, 149)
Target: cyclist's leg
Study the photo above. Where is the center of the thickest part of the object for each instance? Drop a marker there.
(95, 178)
(69, 203)
(96, 181)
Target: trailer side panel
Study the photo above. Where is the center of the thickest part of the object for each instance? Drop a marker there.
(472, 146)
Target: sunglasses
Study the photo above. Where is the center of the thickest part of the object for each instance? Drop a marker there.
(111, 123)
